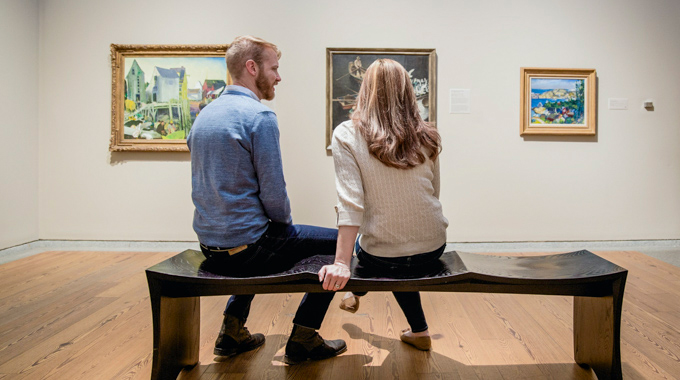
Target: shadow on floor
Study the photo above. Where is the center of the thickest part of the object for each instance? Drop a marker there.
(401, 361)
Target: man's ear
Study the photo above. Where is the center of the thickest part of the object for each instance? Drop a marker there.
(252, 68)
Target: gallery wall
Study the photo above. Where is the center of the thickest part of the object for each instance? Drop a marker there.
(19, 122)
(496, 186)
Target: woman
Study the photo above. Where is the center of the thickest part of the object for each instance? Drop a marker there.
(387, 178)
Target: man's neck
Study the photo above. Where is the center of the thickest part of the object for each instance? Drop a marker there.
(251, 87)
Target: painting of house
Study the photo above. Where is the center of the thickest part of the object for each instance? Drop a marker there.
(165, 86)
(135, 85)
(181, 71)
(165, 107)
(212, 88)
(195, 93)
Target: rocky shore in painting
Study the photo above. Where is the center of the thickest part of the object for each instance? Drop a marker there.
(555, 94)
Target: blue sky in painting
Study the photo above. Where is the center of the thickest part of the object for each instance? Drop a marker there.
(552, 84)
(198, 68)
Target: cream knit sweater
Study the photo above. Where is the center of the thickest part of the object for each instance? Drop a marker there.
(398, 210)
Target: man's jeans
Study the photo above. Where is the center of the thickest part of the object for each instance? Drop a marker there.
(406, 266)
(279, 249)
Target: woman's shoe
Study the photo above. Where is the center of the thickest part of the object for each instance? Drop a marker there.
(350, 303)
(423, 343)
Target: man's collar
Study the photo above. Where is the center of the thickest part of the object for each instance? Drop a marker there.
(244, 90)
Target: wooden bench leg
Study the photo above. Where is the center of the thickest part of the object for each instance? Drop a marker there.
(176, 333)
(597, 332)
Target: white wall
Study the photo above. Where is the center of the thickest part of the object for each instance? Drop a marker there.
(496, 186)
(18, 122)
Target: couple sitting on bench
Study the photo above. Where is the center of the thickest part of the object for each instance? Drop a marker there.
(387, 179)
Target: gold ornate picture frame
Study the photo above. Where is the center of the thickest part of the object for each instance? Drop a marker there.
(558, 101)
(344, 73)
(157, 91)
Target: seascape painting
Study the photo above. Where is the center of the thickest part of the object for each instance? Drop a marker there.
(164, 95)
(558, 101)
(345, 73)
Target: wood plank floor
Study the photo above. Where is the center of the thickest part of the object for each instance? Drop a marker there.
(86, 315)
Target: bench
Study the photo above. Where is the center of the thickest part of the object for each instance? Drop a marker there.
(597, 285)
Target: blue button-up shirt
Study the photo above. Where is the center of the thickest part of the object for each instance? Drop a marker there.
(236, 170)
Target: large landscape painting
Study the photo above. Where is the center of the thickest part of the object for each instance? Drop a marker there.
(159, 90)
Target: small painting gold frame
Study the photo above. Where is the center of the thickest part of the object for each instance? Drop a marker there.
(558, 101)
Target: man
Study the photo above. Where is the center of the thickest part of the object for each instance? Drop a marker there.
(242, 217)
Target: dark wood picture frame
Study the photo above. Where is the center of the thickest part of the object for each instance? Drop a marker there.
(344, 73)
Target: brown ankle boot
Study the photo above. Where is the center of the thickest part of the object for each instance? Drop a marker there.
(235, 338)
(306, 344)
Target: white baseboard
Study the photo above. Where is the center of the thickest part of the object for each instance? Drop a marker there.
(564, 246)
(666, 248)
(39, 246)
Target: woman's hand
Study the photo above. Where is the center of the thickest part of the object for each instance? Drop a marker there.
(335, 276)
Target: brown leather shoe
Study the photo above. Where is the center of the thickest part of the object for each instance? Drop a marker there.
(350, 303)
(423, 343)
(235, 338)
(306, 344)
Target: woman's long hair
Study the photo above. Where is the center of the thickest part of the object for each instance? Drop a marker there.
(387, 117)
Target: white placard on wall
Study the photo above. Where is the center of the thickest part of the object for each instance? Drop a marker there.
(459, 100)
(618, 103)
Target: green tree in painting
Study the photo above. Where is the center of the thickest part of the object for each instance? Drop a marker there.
(580, 100)
(575, 104)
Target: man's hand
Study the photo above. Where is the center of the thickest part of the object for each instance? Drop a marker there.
(335, 276)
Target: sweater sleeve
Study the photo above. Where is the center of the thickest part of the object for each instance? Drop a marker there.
(435, 178)
(269, 168)
(350, 208)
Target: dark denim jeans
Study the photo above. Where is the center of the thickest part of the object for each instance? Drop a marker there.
(279, 249)
(402, 266)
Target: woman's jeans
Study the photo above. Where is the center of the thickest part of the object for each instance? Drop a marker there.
(402, 266)
(279, 249)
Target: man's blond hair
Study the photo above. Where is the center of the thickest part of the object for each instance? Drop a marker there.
(244, 48)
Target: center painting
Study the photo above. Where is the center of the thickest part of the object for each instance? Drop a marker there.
(345, 69)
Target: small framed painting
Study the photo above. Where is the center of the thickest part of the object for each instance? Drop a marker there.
(558, 101)
(158, 90)
(345, 68)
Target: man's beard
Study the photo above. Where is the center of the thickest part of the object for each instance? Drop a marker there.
(265, 88)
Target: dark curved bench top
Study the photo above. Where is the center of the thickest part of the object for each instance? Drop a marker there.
(177, 284)
(454, 267)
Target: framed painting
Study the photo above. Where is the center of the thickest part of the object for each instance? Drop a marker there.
(345, 68)
(158, 90)
(558, 101)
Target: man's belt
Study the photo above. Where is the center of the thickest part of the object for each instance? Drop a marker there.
(230, 251)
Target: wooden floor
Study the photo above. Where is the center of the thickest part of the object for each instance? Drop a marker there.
(86, 315)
